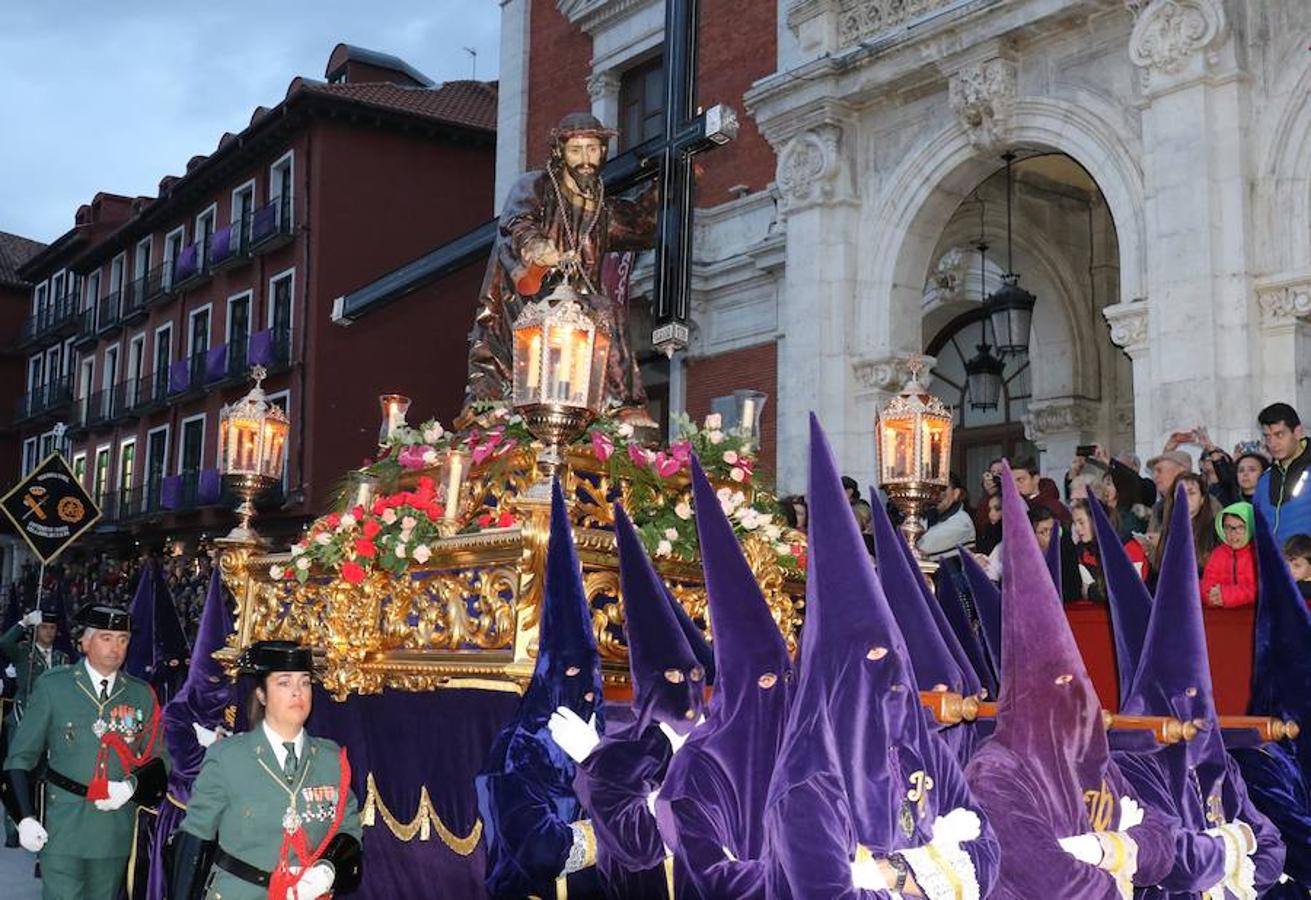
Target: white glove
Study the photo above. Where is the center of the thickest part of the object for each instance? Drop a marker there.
(314, 883)
(32, 619)
(574, 736)
(120, 792)
(204, 736)
(866, 874)
(31, 835)
(10, 671)
(651, 800)
(1083, 847)
(1131, 814)
(957, 827)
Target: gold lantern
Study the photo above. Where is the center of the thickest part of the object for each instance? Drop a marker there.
(252, 442)
(561, 349)
(913, 435)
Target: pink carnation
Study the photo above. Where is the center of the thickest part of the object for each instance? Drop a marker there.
(412, 457)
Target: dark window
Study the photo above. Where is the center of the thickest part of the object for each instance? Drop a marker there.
(193, 436)
(200, 333)
(282, 305)
(642, 103)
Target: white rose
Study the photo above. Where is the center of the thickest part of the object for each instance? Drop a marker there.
(683, 510)
(433, 433)
(388, 516)
(783, 549)
(730, 457)
(406, 534)
(751, 520)
(716, 437)
(303, 563)
(400, 550)
(323, 538)
(625, 430)
(408, 523)
(743, 512)
(773, 532)
(714, 422)
(737, 473)
(430, 458)
(297, 549)
(664, 548)
(724, 494)
(739, 498)
(671, 534)
(347, 521)
(276, 573)
(421, 554)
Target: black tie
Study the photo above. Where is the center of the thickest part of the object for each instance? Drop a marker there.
(289, 764)
(104, 689)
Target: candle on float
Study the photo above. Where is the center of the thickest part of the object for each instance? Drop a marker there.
(563, 372)
(748, 423)
(535, 360)
(454, 477)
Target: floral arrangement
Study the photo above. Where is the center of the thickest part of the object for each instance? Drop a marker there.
(399, 528)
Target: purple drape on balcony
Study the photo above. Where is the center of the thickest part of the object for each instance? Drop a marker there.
(261, 349)
(216, 363)
(210, 487)
(187, 263)
(170, 492)
(179, 376)
(264, 223)
(221, 244)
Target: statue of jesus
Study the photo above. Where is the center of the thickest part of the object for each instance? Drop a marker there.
(558, 224)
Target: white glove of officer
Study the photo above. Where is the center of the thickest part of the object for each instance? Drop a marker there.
(574, 736)
(10, 671)
(866, 874)
(206, 736)
(32, 835)
(120, 792)
(1083, 847)
(32, 619)
(1131, 814)
(314, 883)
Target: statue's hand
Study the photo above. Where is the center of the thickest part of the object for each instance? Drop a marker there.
(543, 253)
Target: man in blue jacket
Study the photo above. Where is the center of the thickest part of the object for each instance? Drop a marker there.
(1283, 495)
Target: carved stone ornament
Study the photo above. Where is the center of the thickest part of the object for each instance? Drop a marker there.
(860, 20)
(889, 374)
(945, 281)
(1282, 305)
(1128, 323)
(602, 84)
(810, 167)
(1167, 33)
(1062, 417)
(983, 95)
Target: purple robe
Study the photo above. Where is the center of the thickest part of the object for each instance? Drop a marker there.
(1047, 771)
(711, 808)
(859, 765)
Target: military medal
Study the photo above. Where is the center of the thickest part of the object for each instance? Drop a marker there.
(291, 820)
(99, 727)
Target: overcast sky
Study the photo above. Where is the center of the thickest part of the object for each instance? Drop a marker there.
(113, 96)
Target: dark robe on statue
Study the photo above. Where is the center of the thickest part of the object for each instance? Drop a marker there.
(615, 781)
(1047, 773)
(1195, 781)
(203, 700)
(860, 774)
(1278, 775)
(711, 808)
(532, 821)
(532, 213)
(936, 656)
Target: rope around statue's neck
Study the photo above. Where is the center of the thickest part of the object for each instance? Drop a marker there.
(571, 260)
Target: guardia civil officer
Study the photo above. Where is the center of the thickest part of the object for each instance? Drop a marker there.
(271, 813)
(97, 730)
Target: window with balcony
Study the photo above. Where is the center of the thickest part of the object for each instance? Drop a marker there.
(79, 469)
(54, 363)
(198, 332)
(57, 290)
(243, 204)
(642, 103)
(35, 366)
(86, 387)
(39, 296)
(48, 444)
(204, 229)
(108, 380)
(193, 445)
(117, 271)
(127, 465)
(172, 250)
(163, 359)
(141, 259)
(100, 485)
(29, 455)
(156, 465)
(92, 293)
(136, 369)
(280, 290)
(238, 333)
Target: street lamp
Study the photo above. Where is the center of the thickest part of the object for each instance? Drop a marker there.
(913, 434)
(1010, 307)
(252, 441)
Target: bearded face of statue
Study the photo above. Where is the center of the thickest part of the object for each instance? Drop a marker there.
(582, 161)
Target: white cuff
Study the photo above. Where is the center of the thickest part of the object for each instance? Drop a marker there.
(583, 851)
(1240, 871)
(1119, 859)
(943, 872)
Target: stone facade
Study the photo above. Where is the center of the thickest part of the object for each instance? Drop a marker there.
(1176, 293)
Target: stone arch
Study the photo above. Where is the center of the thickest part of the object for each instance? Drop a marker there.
(1285, 185)
(917, 200)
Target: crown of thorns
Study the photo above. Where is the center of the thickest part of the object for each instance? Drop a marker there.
(581, 125)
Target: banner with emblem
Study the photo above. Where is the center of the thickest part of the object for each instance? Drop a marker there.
(49, 508)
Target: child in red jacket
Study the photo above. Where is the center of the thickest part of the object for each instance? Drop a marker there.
(1230, 575)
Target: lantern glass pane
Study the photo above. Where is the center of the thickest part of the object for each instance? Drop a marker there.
(897, 456)
(600, 363)
(527, 364)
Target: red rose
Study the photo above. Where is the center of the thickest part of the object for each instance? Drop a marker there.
(371, 529)
(365, 547)
(378, 507)
(333, 520)
(358, 512)
(352, 573)
(485, 520)
(505, 520)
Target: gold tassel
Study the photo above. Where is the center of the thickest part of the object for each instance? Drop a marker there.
(422, 825)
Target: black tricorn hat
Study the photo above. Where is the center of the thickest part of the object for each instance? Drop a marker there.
(263, 657)
(50, 616)
(104, 618)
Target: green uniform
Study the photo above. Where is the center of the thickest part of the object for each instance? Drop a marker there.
(86, 855)
(241, 797)
(29, 662)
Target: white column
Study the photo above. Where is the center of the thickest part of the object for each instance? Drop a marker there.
(1284, 344)
(603, 89)
(512, 97)
(1129, 331)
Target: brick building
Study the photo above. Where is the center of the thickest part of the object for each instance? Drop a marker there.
(145, 317)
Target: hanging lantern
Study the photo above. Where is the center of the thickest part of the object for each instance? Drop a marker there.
(561, 350)
(913, 435)
(1010, 307)
(983, 378)
(252, 440)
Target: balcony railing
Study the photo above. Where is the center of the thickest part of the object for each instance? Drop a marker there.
(86, 329)
(188, 374)
(49, 399)
(109, 312)
(271, 225)
(134, 302)
(53, 320)
(230, 247)
(154, 285)
(124, 402)
(270, 348)
(191, 489)
(190, 268)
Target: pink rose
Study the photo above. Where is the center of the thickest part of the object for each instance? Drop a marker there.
(602, 446)
(481, 452)
(412, 457)
(666, 466)
(681, 451)
(637, 455)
